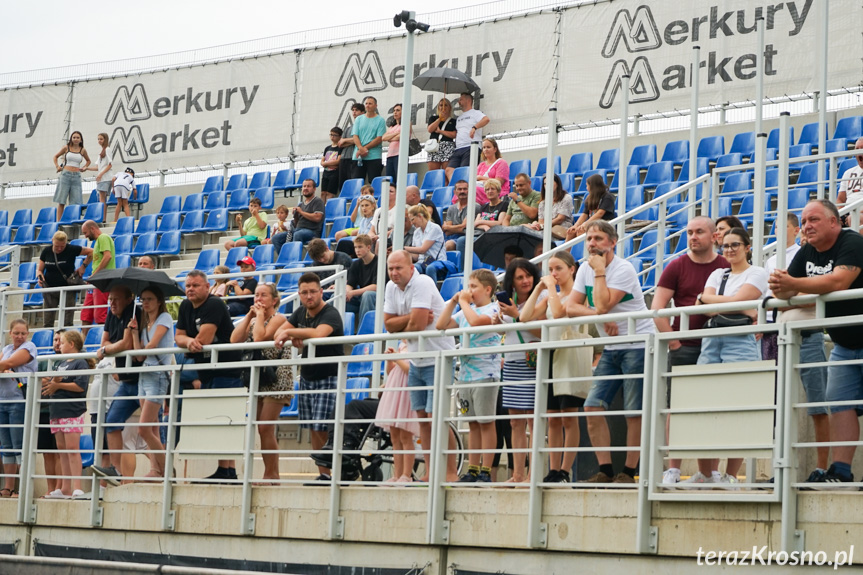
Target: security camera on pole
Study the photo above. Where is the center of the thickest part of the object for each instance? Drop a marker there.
(408, 18)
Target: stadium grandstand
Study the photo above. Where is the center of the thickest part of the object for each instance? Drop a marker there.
(730, 115)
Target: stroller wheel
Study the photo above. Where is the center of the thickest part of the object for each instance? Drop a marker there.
(373, 473)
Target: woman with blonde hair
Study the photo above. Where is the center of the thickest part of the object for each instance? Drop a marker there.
(442, 128)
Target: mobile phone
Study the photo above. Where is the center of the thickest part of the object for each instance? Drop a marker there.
(502, 296)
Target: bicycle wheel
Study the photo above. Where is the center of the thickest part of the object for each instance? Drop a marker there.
(419, 462)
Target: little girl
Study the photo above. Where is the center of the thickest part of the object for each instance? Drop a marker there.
(396, 405)
(67, 417)
(220, 287)
(281, 224)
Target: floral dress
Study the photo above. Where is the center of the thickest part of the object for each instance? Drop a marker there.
(284, 373)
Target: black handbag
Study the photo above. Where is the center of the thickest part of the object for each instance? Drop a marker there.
(266, 374)
(727, 319)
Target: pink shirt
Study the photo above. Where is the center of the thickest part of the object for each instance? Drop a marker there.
(393, 150)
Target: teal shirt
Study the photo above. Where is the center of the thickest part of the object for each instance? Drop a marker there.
(367, 129)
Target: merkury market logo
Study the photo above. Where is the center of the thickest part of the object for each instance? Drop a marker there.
(366, 74)
(131, 145)
(638, 32)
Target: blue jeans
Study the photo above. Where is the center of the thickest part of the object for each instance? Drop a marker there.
(421, 399)
(362, 304)
(729, 349)
(304, 235)
(122, 407)
(845, 382)
(618, 362)
(439, 270)
(279, 240)
(814, 379)
(11, 438)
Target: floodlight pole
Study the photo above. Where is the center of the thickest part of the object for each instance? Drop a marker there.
(404, 143)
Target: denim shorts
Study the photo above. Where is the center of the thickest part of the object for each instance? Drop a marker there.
(104, 186)
(68, 189)
(124, 404)
(154, 383)
(845, 382)
(814, 379)
(618, 362)
(421, 399)
(729, 349)
(11, 438)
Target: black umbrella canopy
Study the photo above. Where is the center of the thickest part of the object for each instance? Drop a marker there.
(136, 279)
(446, 80)
(489, 246)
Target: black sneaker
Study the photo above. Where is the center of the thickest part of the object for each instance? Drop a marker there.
(832, 481)
(231, 473)
(218, 476)
(552, 476)
(469, 477)
(562, 477)
(109, 474)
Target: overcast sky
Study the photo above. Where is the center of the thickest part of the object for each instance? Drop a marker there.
(49, 33)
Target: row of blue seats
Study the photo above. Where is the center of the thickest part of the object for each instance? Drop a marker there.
(235, 201)
(72, 215)
(142, 196)
(287, 179)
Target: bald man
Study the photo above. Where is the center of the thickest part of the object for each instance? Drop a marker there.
(103, 256)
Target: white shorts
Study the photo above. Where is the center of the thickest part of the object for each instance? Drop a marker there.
(131, 440)
(122, 193)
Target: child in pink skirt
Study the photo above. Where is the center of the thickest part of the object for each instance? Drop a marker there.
(397, 405)
(67, 417)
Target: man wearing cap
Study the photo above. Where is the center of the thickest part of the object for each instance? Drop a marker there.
(242, 287)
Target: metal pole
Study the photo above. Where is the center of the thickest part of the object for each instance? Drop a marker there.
(247, 518)
(693, 130)
(549, 181)
(621, 167)
(383, 225)
(404, 138)
(168, 515)
(822, 108)
(759, 76)
(782, 199)
(471, 213)
(760, 198)
(537, 531)
(336, 529)
(646, 535)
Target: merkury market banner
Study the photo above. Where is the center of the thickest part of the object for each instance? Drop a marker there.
(511, 61)
(32, 126)
(653, 42)
(226, 112)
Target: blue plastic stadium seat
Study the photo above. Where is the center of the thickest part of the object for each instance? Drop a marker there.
(213, 184)
(5, 235)
(169, 244)
(207, 260)
(799, 151)
(837, 145)
(146, 224)
(43, 339)
(351, 188)
(737, 186)
(49, 215)
(744, 213)
(809, 134)
(676, 152)
(192, 222)
(743, 144)
(702, 167)
(377, 184)
(260, 180)
(349, 322)
(335, 208)
(263, 255)
(215, 201)
(582, 188)
(362, 368)
(22, 217)
(711, 147)
(288, 283)
(71, 215)
(234, 255)
(310, 173)
(773, 138)
(94, 197)
(442, 197)
(192, 203)
(267, 197)
(143, 194)
(450, 287)
(27, 274)
(4, 218)
(236, 182)
(462, 173)
(145, 245)
(849, 128)
(123, 244)
(169, 223)
(284, 179)
(578, 164)
(659, 173)
(367, 324)
(633, 178)
(170, 205)
(609, 160)
(433, 179)
(24, 235)
(541, 166)
(359, 388)
(91, 212)
(93, 339)
(45, 235)
(577, 251)
(643, 156)
(634, 197)
(217, 221)
(85, 447)
(239, 200)
(517, 167)
(568, 182)
(677, 216)
(123, 261)
(338, 224)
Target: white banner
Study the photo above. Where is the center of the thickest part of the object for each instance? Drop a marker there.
(31, 131)
(510, 60)
(227, 112)
(653, 43)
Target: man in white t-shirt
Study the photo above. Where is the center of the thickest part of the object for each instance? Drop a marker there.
(851, 186)
(412, 302)
(468, 128)
(609, 284)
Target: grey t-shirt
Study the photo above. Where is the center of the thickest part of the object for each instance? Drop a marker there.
(315, 205)
(339, 259)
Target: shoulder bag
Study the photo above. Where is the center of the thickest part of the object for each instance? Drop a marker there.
(573, 362)
(727, 319)
(74, 279)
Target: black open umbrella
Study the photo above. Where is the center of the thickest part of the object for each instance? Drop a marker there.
(136, 279)
(446, 80)
(489, 246)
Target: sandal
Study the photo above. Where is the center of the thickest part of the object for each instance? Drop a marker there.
(6, 493)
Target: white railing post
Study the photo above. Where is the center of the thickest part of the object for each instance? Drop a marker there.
(168, 515)
(247, 518)
(646, 536)
(782, 198)
(435, 454)
(336, 527)
(537, 531)
(622, 184)
(29, 443)
(470, 214)
(785, 466)
(693, 130)
(759, 199)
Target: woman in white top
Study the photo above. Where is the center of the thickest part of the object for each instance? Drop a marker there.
(561, 210)
(428, 240)
(102, 167)
(156, 332)
(741, 282)
(562, 431)
(75, 161)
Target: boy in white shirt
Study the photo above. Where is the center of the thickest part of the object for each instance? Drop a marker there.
(477, 309)
(123, 185)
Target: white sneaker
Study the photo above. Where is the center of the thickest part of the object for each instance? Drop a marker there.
(671, 476)
(56, 494)
(78, 494)
(727, 482)
(697, 478)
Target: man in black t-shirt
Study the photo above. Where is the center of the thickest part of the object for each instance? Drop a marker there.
(56, 263)
(831, 261)
(117, 337)
(361, 295)
(204, 320)
(315, 319)
(322, 255)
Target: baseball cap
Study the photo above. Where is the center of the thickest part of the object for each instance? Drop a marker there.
(247, 261)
